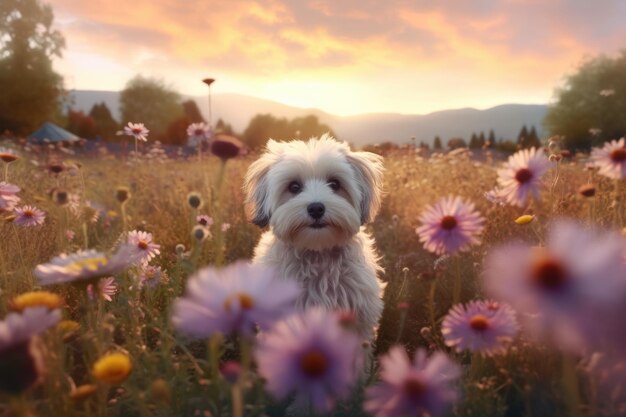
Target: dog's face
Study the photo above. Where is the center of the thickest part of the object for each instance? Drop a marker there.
(315, 194)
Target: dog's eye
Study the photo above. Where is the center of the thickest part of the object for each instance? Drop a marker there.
(334, 184)
(294, 187)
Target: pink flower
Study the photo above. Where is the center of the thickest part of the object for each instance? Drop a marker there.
(611, 159)
(142, 241)
(107, 287)
(450, 226)
(29, 216)
(8, 197)
(521, 177)
(137, 130)
(480, 326)
(312, 356)
(421, 387)
(204, 220)
(151, 276)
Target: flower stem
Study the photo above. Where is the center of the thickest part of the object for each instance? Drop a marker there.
(237, 400)
(431, 302)
(570, 386)
(217, 215)
(456, 289)
(619, 205)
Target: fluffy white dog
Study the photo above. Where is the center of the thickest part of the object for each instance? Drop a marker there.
(316, 196)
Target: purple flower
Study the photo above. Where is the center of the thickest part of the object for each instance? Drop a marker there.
(142, 241)
(20, 359)
(29, 216)
(566, 290)
(198, 133)
(611, 159)
(521, 177)
(312, 356)
(151, 276)
(450, 226)
(480, 326)
(85, 266)
(421, 387)
(233, 299)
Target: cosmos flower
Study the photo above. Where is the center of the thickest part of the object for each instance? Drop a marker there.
(30, 299)
(198, 132)
(112, 368)
(480, 326)
(107, 287)
(151, 276)
(29, 216)
(204, 220)
(566, 290)
(136, 130)
(232, 299)
(225, 149)
(20, 357)
(412, 388)
(521, 177)
(495, 196)
(142, 241)
(611, 159)
(85, 266)
(8, 197)
(450, 226)
(312, 356)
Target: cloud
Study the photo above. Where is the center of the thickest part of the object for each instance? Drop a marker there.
(526, 45)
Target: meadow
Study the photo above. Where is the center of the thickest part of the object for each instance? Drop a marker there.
(95, 201)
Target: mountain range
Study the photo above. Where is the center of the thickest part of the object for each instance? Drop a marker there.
(506, 120)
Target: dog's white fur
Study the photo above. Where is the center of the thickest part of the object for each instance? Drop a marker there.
(336, 265)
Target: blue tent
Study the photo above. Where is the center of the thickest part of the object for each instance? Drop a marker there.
(51, 133)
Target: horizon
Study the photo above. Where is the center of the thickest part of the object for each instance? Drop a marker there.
(345, 59)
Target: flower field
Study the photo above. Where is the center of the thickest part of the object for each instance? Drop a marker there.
(124, 291)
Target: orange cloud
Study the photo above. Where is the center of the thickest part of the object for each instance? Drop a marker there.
(508, 51)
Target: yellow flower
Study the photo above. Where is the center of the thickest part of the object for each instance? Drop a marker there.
(36, 299)
(83, 391)
(525, 219)
(112, 368)
(67, 326)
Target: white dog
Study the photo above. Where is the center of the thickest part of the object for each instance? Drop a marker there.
(316, 196)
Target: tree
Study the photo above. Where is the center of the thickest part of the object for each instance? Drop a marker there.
(265, 126)
(473, 143)
(151, 102)
(456, 143)
(191, 110)
(80, 124)
(106, 125)
(222, 127)
(592, 98)
(29, 85)
(437, 143)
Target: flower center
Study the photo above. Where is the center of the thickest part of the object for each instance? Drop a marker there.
(618, 155)
(91, 264)
(245, 301)
(136, 131)
(142, 244)
(479, 323)
(314, 364)
(199, 132)
(414, 388)
(28, 213)
(448, 222)
(549, 274)
(523, 175)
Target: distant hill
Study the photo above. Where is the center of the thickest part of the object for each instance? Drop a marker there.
(506, 120)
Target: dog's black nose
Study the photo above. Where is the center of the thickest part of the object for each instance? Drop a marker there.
(316, 210)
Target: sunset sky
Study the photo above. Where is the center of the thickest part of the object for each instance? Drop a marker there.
(341, 56)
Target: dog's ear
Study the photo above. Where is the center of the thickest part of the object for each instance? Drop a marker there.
(368, 168)
(256, 186)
